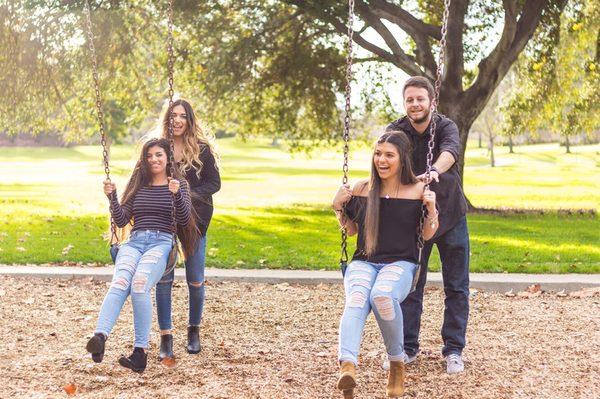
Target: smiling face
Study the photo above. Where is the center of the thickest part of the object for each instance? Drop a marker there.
(156, 159)
(417, 104)
(386, 160)
(180, 121)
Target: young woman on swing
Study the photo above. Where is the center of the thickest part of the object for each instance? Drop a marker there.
(148, 200)
(385, 212)
(195, 158)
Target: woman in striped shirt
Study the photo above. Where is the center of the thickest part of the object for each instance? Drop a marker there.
(148, 201)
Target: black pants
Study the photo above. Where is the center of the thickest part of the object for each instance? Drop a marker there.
(453, 247)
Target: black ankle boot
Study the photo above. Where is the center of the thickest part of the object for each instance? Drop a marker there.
(136, 362)
(193, 345)
(166, 347)
(95, 346)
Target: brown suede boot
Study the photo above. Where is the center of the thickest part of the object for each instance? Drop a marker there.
(347, 380)
(395, 386)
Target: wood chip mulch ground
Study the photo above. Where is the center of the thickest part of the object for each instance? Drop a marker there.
(280, 341)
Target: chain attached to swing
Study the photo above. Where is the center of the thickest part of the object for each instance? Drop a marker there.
(114, 239)
(347, 110)
(432, 130)
(170, 61)
(172, 259)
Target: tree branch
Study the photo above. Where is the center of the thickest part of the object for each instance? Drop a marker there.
(404, 19)
(385, 34)
(454, 62)
(403, 62)
(367, 59)
(415, 28)
(514, 37)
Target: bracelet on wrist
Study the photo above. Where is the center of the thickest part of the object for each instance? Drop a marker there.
(434, 216)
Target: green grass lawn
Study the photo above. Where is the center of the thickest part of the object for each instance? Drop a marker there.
(272, 210)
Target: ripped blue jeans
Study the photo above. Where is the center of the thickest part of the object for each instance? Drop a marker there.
(381, 288)
(140, 264)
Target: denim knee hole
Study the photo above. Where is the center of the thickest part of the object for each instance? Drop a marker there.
(358, 299)
(139, 283)
(385, 307)
(120, 283)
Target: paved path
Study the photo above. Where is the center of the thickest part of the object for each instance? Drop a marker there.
(500, 282)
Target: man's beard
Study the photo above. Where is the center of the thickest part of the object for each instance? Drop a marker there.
(423, 119)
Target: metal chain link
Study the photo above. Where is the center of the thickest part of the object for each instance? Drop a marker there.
(170, 63)
(349, 60)
(434, 113)
(99, 107)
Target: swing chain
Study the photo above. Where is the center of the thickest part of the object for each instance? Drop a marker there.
(170, 63)
(99, 106)
(434, 113)
(347, 110)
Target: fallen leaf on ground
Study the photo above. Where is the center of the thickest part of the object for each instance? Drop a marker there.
(534, 288)
(168, 362)
(70, 389)
(67, 249)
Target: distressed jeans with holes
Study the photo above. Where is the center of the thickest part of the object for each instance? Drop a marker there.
(381, 288)
(140, 264)
(194, 274)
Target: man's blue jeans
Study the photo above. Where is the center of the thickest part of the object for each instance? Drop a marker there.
(453, 247)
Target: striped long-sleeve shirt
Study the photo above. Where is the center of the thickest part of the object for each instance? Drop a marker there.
(151, 208)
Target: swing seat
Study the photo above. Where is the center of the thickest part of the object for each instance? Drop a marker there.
(114, 250)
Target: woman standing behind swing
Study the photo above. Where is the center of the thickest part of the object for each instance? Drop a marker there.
(195, 158)
(148, 200)
(385, 212)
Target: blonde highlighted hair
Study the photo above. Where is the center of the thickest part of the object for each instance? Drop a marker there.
(195, 139)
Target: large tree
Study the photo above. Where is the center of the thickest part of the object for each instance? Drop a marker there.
(465, 90)
(283, 61)
(276, 67)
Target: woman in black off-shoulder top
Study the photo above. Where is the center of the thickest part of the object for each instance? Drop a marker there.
(385, 212)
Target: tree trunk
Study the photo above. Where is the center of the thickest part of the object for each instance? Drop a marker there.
(567, 145)
(480, 146)
(510, 145)
(454, 111)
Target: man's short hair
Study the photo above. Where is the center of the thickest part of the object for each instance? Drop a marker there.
(421, 82)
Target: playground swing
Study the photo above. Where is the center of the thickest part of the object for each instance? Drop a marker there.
(114, 240)
(430, 144)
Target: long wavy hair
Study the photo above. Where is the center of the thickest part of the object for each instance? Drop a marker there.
(405, 176)
(142, 177)
(194, 138)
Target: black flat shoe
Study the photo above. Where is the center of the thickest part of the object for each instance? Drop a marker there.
(166, 347)
(193, 345)
(136, 362)
(95, 346)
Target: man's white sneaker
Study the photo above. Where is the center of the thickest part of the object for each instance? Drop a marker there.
(409, 358)
(454, 364)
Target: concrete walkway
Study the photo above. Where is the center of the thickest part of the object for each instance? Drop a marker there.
(500, 282)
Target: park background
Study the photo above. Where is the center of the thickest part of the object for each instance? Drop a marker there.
(267, 78)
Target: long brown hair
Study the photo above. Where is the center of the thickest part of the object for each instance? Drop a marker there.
(405, 176)
(195, 140)
(142, 177)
